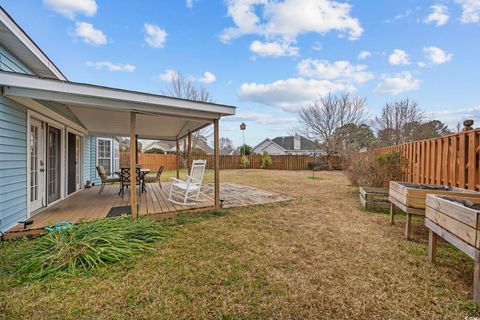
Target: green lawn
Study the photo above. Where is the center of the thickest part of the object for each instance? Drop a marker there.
(319, 256)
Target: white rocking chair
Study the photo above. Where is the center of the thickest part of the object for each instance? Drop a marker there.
(189, 189)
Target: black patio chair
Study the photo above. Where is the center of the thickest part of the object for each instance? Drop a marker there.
(125, 179)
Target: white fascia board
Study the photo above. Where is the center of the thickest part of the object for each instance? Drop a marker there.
(97, 96)
(18, 32)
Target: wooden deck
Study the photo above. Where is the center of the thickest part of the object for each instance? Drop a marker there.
(88, 205)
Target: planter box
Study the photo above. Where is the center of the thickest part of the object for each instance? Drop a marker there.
(458, 216)
(411, 197)
(373, 198)
(457, 220)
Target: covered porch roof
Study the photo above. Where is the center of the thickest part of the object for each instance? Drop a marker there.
(104, 110)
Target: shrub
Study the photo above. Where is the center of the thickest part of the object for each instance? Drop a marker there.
(244, 162)
(371, 170)
(154, 151)
(86, 247)
(266, 161)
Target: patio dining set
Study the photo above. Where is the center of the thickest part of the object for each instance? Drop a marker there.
(181, 192)
(123, 177)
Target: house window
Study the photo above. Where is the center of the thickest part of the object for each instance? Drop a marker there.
(104, 154)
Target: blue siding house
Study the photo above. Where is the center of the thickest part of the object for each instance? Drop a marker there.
(25, 130)
(54, 132)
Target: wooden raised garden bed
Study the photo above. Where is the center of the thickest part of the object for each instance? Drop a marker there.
(373, 198)
(457, 221)
(410, 198)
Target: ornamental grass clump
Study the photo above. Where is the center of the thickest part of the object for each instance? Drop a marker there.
(244, 162)
(86, 247)
(266, 161)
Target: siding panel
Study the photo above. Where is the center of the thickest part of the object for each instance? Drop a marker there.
(13, 160)
(9, 63)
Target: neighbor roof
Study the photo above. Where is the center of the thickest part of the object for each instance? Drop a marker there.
(287, 143)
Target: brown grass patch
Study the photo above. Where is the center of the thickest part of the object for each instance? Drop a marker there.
(318, 256)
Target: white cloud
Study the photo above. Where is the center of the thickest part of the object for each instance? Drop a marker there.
(261, 118)
(167, 75)
(421, 64)
(401, 82)
(89, 34)
(436, 55)
(400, 16)
(338, 70)
(317, 46)
(471, 11)
(189, 4)
(454, 115)
(274, 49)
(290, 94)
(155, 36)
(208, 77)
(398, 57)
(290, 18)
(111, 66)
(439, 15)
(363, 55)
(70, 8)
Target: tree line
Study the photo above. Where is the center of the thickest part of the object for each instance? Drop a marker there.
(339, 124)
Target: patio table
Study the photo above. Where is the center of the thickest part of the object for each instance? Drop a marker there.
(142, 173)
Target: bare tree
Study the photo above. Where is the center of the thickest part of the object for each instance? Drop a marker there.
(184, 88)
(321, 120)
(398, 122)
(225, 145)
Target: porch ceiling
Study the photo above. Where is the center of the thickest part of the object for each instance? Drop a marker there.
(103, 110)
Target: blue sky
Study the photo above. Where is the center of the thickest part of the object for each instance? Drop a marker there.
(270, 57)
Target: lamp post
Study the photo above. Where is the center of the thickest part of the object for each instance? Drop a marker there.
(243, 126)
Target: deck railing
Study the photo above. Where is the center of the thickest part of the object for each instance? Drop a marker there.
(449, 160)
(287, 162)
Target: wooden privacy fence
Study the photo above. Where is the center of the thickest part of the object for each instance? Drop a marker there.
(449, 160)
(290, 162)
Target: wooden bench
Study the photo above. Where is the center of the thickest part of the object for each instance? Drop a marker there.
(410, 198)
(447, 217)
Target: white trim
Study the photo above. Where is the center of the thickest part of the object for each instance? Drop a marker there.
(40, 109)
(28, 165)
(62, 161)
(87, 95)
(25, 40)
(111, 155)
(82, 151)
(45, 120)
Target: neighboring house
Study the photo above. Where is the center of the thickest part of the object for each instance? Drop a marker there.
(167, 146)
(290, 145)
(54, 132)
(170, 146)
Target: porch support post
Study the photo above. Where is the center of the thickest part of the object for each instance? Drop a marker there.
(217, 162)
(189, 151)
(178, 158)
(133, 166)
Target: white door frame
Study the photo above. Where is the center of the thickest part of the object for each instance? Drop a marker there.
(81, 165)
(41, 200)
(58, 125)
